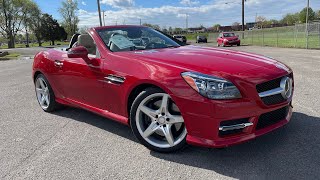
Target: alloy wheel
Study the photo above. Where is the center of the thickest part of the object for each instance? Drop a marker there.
(159, 121)
(42, 91)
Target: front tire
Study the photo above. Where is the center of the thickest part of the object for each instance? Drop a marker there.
(157, 122)
(45, 95)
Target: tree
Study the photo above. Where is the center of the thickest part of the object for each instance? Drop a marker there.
(51, 30)
(235, 26)
(290, 19)
(12, 15)
(303, 15)
(170, 30)
(70, 19)
(83, 30)
(177, 30)
(31, 20)
(154, 26)
(318, 15)
(261, 21)
(216, 27)
(35, 25)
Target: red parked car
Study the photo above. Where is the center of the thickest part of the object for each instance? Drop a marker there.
(228, 39)
(170, 95)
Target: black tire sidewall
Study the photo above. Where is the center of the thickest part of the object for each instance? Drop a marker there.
(133, 111)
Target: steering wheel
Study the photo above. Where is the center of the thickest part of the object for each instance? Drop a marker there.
(154, 45)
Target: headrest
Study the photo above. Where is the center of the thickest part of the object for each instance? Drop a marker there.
(85, 40)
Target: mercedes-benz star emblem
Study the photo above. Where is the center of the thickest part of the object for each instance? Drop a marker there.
(286, 85)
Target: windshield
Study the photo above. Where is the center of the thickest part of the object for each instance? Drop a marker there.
(134, 38)
(228, 34)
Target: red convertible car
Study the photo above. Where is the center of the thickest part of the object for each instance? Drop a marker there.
(228, 39)
(170, 95)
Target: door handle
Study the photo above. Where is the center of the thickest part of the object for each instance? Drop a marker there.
(58, 63)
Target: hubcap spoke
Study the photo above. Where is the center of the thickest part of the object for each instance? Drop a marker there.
(39, 90)
(151, 129)
(42, 84)
(46, 99)
(42, 100)
(175, 119)
(164, 104)
(167, 133)
(149, 112)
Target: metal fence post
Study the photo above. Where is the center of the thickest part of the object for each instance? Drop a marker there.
(295, 35)
(319, 33)
(277, 37)
(307, 35)
(252, 37)
(262, 38)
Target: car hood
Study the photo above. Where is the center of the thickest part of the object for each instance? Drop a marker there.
(214, 61)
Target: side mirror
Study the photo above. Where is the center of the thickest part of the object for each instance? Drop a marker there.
(78, 52)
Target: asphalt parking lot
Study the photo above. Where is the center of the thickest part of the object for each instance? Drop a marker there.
(76, 144)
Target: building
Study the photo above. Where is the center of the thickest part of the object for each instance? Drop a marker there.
(197, 30)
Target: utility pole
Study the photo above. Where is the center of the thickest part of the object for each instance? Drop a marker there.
(104, 22)
(140, 21)
(243, 15)
(307, 21)
(187, 22)
(99, 11)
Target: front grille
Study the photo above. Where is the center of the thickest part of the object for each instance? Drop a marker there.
(272, 117)
(230, 123)
(266, 86)
(275, 99)
(269, 85)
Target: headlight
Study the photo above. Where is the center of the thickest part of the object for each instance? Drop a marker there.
(225, 40)
(211, 87)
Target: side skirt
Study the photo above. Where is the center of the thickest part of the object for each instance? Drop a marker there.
(95, 110)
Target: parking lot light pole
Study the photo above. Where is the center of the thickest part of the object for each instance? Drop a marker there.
(307, 21)
(99, 11)
(243, 15)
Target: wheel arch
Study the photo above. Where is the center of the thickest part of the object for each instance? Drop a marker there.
(36, 73)
(138, 88)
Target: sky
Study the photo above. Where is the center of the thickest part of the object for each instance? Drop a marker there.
(173, 13)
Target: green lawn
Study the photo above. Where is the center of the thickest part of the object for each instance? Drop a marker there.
(277, 37)
(44, 44)
(10, 56)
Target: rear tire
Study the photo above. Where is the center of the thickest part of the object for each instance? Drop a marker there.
(155, 124)
(45, 95)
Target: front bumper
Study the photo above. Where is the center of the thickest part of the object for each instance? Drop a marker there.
(248, 133)
(231, 42)
(203, 118)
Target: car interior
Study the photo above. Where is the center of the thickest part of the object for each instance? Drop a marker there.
(83, 40)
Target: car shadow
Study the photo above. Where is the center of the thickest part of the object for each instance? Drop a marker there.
(289, 152)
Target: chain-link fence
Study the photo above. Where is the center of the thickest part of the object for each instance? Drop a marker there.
(290, 36)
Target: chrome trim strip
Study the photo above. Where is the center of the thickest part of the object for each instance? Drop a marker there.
(271, 92)
(285, 89)
(233, 127)
(116, 79)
